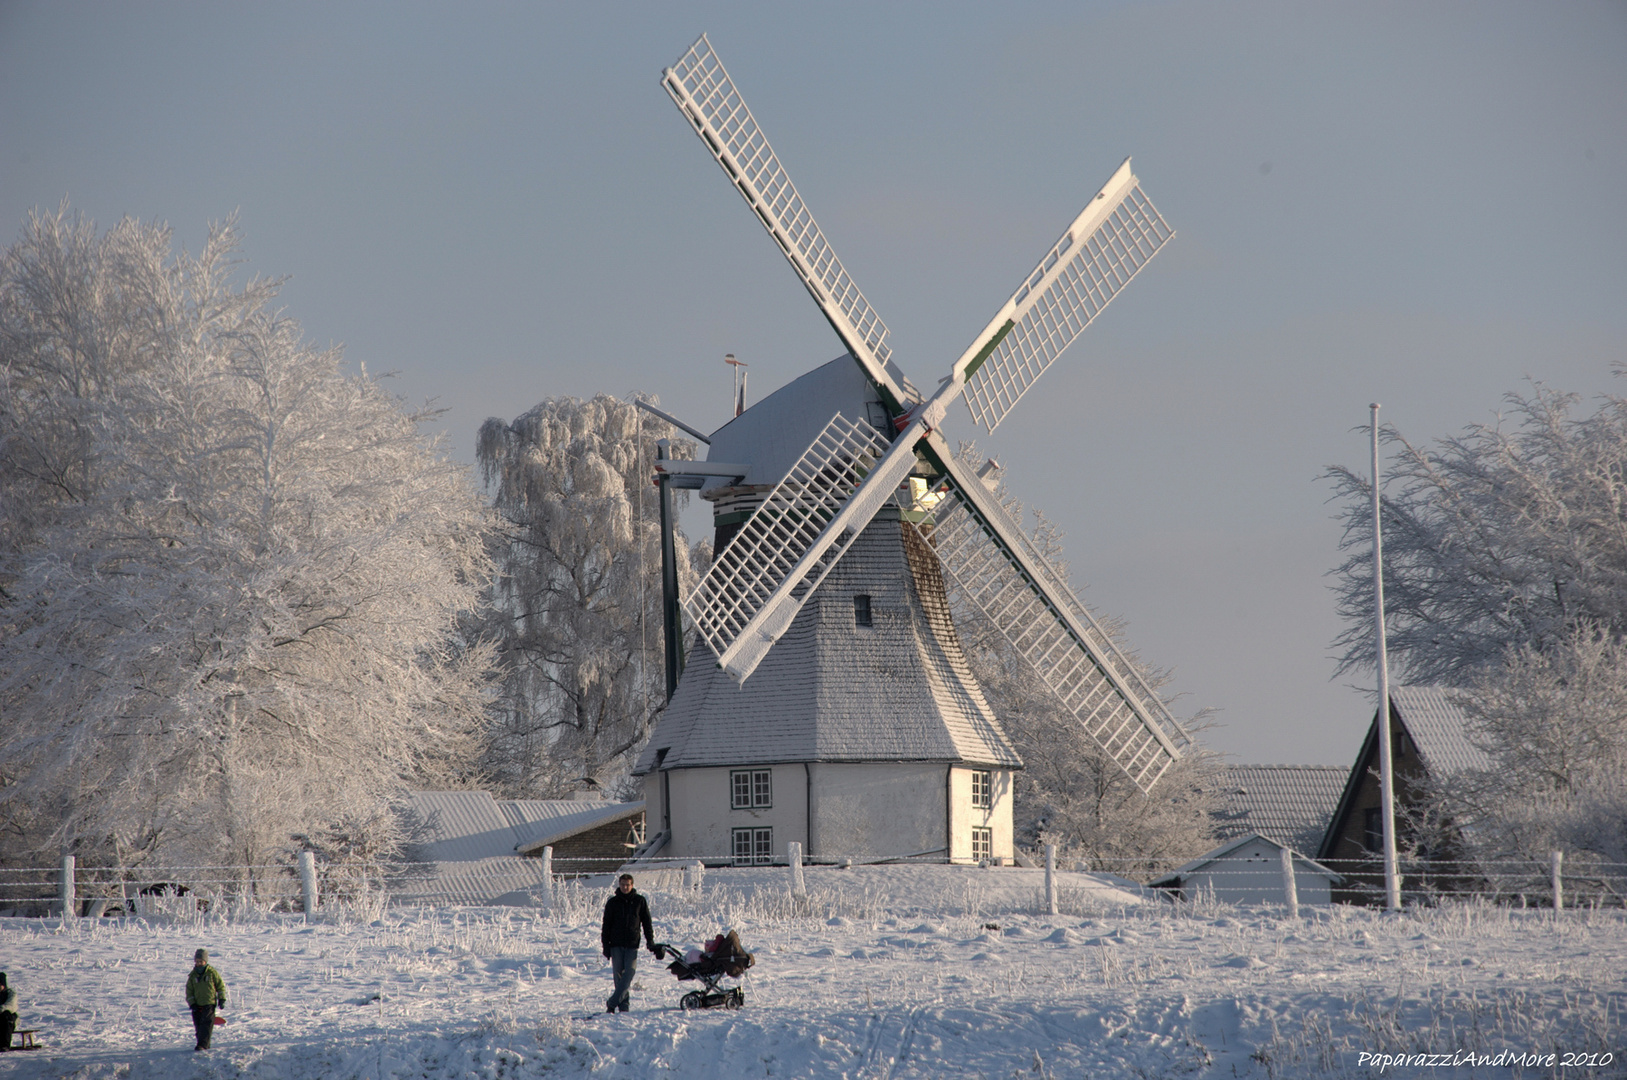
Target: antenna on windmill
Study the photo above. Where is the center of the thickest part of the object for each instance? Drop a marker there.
(805, 524)
(739, 382)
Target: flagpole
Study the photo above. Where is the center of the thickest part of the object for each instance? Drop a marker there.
(1392, 879)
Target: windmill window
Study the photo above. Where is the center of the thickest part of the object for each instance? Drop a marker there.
(753, 847)
(982, 788)
(982, 844)
(861, 610)
(751, 789)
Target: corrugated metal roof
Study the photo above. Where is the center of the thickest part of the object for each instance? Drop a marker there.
(462, 826)
(540, 823)
(899, 690)
(480, 881)
(472, 841)
(1291, 804)
(1440, 730)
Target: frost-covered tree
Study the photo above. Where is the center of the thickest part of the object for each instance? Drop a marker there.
(577, 607)
(1555, 724)
(234, 573)
(1070, 793)
(1510, 535)
(1505, 575)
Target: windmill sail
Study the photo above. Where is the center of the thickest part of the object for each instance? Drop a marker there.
(991, 564)
(788, 544)
(706, 95)
(1107, 245)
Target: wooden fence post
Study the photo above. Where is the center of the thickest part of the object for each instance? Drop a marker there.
(1290, 887)
(307, 882)
(70, 905)
(1559, 881)
(793, 853)
(1050, 878)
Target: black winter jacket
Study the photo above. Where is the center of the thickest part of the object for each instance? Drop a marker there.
(624, 915)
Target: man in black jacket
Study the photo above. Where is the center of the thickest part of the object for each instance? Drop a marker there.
(625, 914)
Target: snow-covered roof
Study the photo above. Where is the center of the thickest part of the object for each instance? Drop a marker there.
(465, 826)
(898, 690)
(1439, 729)
(1220, 853)
(480, 848)
(544, 823)
(1290, 803)
(773, 433)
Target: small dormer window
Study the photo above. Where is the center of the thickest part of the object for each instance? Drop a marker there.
(861, 610)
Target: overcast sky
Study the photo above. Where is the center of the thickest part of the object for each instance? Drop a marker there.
(1421, 204)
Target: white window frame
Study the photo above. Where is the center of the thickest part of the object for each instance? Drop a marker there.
(982, 844)
(753, 846)
(982, 789)
(751, 789)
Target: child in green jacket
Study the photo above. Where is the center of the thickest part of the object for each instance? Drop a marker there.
(205, 992)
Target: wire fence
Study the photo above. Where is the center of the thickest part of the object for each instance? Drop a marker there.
(1247, 875)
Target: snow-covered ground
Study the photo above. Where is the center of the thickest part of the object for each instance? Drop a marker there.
(906, 971)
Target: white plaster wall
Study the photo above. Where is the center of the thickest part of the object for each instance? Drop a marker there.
(703, 821)
(878, 809)
(1253, 875)
(964, 816)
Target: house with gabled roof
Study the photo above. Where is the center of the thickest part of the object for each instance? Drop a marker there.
(1289, 803)
(474, 849)
(863, 733)
(1430, 739)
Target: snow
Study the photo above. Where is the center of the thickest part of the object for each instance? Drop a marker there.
(881, 971)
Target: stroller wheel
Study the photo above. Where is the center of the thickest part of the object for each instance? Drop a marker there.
(736, 998)
(692, 1000)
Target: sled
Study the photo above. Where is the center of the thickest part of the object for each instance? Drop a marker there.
(25, 1039)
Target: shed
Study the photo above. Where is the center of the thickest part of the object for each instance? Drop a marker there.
(1248, 870)
(474, 849)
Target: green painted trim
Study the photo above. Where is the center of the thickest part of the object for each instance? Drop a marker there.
(983, 353)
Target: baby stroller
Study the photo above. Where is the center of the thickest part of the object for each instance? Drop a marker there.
(721, 958)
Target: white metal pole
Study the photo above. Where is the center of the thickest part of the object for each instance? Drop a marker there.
(1392, 880)
(70, 905)
(1050, 878)
(1290, 888)
(793, 852)
(1559, 881)
(307, 882)
(548, 879)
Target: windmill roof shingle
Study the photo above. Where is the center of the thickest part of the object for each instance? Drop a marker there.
(899, 690)
(1291, 804)
(772, 434)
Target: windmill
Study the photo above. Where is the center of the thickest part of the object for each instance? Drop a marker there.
(882, 450)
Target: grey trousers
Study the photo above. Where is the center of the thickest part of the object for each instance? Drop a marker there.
(623, 965)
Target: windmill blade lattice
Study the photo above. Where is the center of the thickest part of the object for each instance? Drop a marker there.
(774, 539)
(991, 564)
(1108, 244)
(706, 95)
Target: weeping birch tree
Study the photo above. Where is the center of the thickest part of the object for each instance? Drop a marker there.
(233, 573)
(577, 603)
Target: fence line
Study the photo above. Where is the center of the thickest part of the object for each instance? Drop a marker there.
(299, 886)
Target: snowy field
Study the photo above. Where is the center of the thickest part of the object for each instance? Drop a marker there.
(880, 972)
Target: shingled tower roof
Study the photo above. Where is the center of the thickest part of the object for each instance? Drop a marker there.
(831, 690)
